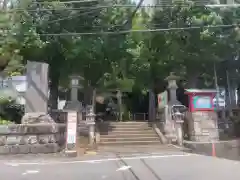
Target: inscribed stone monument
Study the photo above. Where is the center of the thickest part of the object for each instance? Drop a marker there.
(37, 91)
(36, 96)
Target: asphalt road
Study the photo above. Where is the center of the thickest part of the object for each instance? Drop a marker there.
(142, 166)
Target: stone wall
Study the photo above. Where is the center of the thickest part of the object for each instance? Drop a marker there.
(32, 138)
(203, 126)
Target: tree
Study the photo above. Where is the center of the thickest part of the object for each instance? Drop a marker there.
(189, 51)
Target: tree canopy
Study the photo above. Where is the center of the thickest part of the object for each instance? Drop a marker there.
(113, 48)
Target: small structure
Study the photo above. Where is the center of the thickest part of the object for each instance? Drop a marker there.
(201, 99)
(202, 118)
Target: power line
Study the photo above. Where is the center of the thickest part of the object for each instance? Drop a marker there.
(71, 17)
(136, 31)
(65, 2)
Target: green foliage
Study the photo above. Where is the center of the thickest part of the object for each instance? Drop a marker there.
(121, 61)
(5, 122)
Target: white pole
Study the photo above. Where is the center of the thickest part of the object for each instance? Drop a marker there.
(216, 85)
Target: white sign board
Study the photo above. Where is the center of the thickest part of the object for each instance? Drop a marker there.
(71, 127)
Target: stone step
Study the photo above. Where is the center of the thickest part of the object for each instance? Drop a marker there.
(128, 128)
(137, 142)
(129, 135)
(126, 139)
(119, 132)
(126, 123)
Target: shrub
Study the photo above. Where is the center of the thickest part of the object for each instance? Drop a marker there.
(5, 122)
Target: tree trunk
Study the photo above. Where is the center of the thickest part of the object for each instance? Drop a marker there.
(119, 101)
(88, 94)
(192, 81)
(94, 99)
(54, 77)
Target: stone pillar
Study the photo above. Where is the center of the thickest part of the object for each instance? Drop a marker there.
(36, 95)
(90, 121)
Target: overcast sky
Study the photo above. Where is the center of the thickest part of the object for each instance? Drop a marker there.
(145, 2)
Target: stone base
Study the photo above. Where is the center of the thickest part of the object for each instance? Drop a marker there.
(73, 105)
(36, 117)
(203, 126)
(71, 153)
(26, 149)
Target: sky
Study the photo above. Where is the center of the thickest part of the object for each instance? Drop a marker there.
(145, 2)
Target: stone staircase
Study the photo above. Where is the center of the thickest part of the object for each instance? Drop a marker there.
(127, 133)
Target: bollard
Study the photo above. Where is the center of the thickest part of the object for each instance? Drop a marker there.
(91, 134)
(213, 150)
(71, 137)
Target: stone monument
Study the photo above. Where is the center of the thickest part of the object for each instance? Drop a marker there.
(36, 95)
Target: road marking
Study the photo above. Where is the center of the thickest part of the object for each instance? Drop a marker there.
(123, 168)
(30, 172)
(100, 160)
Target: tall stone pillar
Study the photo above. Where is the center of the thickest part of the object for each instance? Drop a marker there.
(36, 95)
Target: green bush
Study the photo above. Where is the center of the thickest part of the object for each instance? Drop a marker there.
(5, 122)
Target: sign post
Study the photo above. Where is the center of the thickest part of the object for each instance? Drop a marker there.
(71, 137)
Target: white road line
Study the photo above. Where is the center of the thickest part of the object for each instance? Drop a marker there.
(99, 160)
(123, 168)
(30, 172)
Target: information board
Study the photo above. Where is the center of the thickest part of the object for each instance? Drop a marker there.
(202, 102)
(71, 127)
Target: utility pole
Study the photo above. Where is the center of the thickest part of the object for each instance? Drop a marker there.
(216, 85)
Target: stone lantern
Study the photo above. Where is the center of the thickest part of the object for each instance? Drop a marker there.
(172, 87)
(74, 84)
(74, 104)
